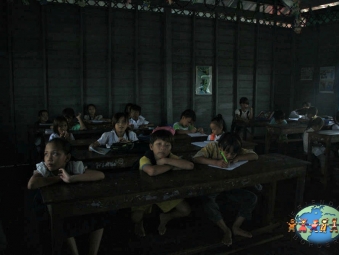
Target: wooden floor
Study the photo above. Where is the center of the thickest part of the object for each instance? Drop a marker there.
(29, 234)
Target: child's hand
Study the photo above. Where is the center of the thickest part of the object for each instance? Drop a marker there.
(193, 130)
(200, 130)
(123, 140)
(221, 163)
(64, 175)
(78, 116)
(162, 161)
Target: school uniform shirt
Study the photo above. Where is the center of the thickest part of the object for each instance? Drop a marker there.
(177, 125)
(98, 117)
(140, 121)
(242, 114)
(72, 168)
(335, 127)
(316, 150)
(108, 138)
(75, 127)
(149, 159)
(211, 150)
(55, 135)
(213, 137)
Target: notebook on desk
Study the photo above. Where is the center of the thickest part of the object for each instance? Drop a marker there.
(232, 165)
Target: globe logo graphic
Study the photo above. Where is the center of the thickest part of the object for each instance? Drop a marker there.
(317, 224)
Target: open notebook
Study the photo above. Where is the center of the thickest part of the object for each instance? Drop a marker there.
(100, 150)
(232, 165)
(196, 134)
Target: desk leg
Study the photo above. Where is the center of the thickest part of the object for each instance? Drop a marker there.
(299, 193)
(272, 189)
(56, 230)
(327, 157)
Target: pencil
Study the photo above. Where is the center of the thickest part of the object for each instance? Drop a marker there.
(223, 155)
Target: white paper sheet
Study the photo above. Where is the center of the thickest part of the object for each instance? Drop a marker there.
(232, 165)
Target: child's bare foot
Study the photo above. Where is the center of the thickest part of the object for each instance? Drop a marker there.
(227, 238)
(139, 229)
(239, 232)
(163, 221)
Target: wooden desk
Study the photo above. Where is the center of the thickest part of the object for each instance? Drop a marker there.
(135, 188)
(98, 125)
(326, 137)
(250, 124)
(276, 129)
(125, 159)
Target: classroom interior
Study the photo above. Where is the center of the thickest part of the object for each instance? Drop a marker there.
(56, 54)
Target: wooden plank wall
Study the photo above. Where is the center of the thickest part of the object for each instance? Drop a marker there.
(66, 56)
(317, 47)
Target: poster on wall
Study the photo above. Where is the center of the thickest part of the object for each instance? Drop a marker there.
(306, 74)
(203, 80)
(326, 80)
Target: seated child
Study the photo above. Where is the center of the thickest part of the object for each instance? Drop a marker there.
(218, 127)
(279, 119)
(318, 150)
(159, 160)
(128, 109)
(231, 146)
(244, 114)
(136, 120)
(69, 114)
(38, 131)
(56, 168)
(91, 109)
(119, 134)
(43, 118)
(302, 111)
(310, 114)
(186, 123)
(60, 129)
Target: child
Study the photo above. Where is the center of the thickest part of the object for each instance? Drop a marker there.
(69, 114)
(302, 111)
(43, 118)
(159, 160)
(128, 109)
(60, 129)
(279, 119)
(91, 109)
(218, 127)
(38, 131)
(244, 115)
(57, 167)
(186, 123)
(318, 150)
(119, 134)
(136, 120)
(335, 126)
(230, 144)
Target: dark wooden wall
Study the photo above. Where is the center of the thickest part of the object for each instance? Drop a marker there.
(61, 55)
(317, 47)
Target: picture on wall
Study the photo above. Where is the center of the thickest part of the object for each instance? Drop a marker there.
(203, 80)
(326, 79)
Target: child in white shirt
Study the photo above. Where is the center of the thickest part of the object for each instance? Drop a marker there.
(119, 134)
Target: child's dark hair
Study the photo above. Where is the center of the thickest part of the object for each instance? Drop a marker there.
(244, 100)
(312, 111)
(119, 115)
(41, 112)
(57, 122)
(163, 135)
(219, 121)
(189, 113)
(63, 144)
(306, 104)
(279, 115)
(68, 113)
(315, 122)
(228, 140)
(91, 105)
(136, 108)
(128, 107)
